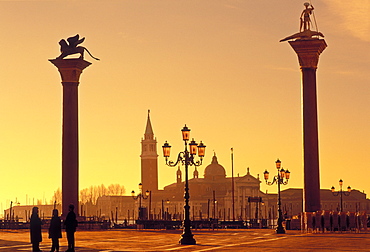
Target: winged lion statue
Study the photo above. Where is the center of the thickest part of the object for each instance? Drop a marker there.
(72, 47)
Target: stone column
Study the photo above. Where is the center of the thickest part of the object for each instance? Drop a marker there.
(70, 71)
(308, 51)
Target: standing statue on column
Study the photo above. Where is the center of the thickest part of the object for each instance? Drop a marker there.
(306, 20)
(305, 32)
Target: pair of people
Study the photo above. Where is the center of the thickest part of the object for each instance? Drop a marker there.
(55, 229)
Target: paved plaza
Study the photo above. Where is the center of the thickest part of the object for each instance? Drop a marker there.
(207, 240)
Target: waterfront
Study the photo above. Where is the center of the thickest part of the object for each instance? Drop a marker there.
(207, 240)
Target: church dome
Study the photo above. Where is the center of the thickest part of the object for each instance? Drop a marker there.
(214, 171)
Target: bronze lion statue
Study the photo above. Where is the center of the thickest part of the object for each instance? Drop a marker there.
(72, 47)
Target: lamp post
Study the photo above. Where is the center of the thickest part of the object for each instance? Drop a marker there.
(341, 193)
(10, 212)
(164, 213)
(140, 196)
(186, 158)
(214, 205)
(232, 183)
(150, 205)
(281, 178)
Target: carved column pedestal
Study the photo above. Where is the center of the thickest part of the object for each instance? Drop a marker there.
(70, 71)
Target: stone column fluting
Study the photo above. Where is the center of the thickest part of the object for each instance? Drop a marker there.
(70, 71)
(308, 51)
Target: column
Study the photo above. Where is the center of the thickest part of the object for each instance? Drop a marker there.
(308, 51)
(70, 71)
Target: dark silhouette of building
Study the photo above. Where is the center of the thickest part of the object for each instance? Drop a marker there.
(149, 159)
(211, 195)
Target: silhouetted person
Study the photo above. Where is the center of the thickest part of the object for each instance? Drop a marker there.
(71, 224)
(55, 231)
(35, 229)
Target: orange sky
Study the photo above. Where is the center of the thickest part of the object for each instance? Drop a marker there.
(215, 65)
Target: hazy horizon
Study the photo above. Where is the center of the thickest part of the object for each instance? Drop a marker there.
(216, 66)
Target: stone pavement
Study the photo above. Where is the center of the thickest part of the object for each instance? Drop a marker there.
(207, 240)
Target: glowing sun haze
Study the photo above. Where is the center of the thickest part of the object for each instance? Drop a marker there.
(353, 17)
(216, 66)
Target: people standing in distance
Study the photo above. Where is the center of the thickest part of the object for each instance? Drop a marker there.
(55, 231)
(35, 229)
(70, 226)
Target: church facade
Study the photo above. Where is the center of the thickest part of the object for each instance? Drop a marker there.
(212, 196)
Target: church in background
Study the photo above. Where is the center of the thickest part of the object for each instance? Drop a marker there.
(211, 196)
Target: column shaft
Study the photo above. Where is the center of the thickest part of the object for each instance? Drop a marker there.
(70, 147)
(70, 71)
(310, 141)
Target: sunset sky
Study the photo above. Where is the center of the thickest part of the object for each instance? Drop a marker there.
(215, 65)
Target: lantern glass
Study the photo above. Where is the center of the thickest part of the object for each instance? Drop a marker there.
(201, 149)
(185, 133)
(266, 175)
(287, 174)
(147, 193)
(332, 189)
(340, 182)
(140, 186)
(166, 149)
(282, 173)
(193, 147)
(278, 164)
(349, 189)
(132, 193)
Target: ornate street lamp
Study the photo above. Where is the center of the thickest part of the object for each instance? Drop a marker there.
(186, 158)
(281, 178)
(341, 193)
(140, 196)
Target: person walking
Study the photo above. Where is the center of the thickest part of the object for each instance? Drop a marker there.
(70, 225)
(55, 231)
(35, 229)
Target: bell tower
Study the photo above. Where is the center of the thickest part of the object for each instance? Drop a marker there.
(149, 159)
(178, 175)
(195, 173)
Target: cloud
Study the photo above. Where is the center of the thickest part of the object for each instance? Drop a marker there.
(352, 16)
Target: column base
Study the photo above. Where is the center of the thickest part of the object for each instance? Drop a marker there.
(280, 230)
(187, 239)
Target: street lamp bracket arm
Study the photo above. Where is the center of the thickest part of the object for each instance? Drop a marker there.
(195, 163)
(136, 197)
(346, 193)
(283, 182)
(275, 179)
(184, 157)
(180, 158)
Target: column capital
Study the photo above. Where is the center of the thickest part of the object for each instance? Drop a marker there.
(308, 51)
(70, 69)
